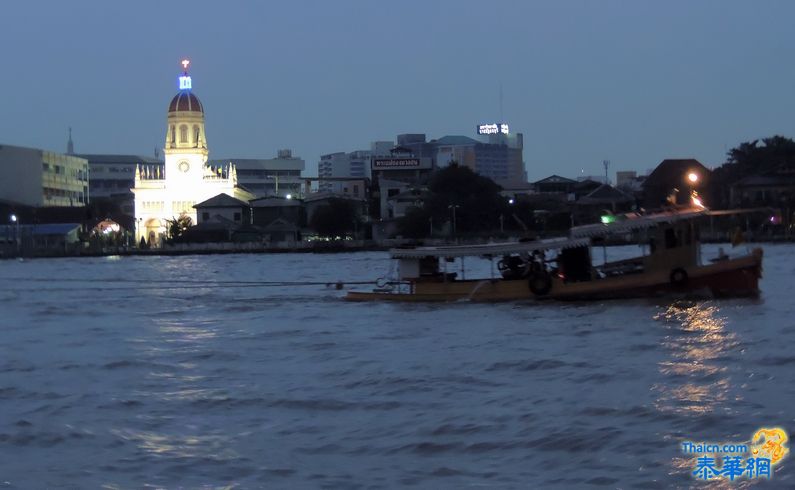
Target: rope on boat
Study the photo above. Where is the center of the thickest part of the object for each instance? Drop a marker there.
(180, 284)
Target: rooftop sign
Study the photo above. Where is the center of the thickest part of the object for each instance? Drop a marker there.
(396, 163)
(493, 128)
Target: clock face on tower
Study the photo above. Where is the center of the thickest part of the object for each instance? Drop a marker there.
(183, 166)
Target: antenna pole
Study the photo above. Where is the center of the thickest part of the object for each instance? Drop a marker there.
(501, 118)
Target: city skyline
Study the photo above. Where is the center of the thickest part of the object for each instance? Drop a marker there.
(633, 84)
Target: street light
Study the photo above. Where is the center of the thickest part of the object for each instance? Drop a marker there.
(692, 179)
(453, 207)
(17, 241)
(276, 179)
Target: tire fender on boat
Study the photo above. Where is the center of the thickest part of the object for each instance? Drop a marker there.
(540, 283)
(679, 277)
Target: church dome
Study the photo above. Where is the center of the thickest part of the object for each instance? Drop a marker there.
(185, 101)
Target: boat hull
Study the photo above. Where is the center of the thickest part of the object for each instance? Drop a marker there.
(728, 278)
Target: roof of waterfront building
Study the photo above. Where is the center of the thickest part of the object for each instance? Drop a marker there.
(274, 202)
(674, 170)
(222, 201)
(455, 140)
(555, 179)
(606, 194)
(116, 159)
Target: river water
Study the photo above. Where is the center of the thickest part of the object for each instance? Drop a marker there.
(182, 372)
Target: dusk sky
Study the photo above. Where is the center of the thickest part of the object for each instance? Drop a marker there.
(630, 81)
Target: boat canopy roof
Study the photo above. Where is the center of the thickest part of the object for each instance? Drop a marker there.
(489, 248)
(625, 224)
(729, 212)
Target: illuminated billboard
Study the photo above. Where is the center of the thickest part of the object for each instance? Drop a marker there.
(493, 128)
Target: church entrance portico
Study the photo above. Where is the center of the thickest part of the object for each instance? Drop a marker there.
(154, 230)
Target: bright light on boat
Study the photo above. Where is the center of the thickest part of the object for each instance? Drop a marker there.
(692, 177)
(697, 202)
(608, 218)
(289, 196)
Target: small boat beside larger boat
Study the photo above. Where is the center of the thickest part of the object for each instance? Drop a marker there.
(670, 262)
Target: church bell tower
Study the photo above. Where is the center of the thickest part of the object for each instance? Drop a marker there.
(186, 143)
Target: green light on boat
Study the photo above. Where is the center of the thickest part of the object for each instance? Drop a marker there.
(608, 218)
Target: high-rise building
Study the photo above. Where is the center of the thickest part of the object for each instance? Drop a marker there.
(113, 177)
(625, 177)
(398, 180)
(344, 173)
(39, 178)
(266, 177)
(497, 155)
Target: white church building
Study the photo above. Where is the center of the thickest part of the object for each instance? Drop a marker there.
(164, 193)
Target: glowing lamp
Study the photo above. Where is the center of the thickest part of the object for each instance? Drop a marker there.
(608, 218)
(510, 201)
(13, 218)
(692, 177)
(185, 83)
(289, 196)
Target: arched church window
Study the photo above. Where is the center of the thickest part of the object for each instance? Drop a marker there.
(196, 135)
(183, 134)
(173, 134)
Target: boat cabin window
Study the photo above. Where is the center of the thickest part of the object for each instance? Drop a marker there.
(429, 266)
(671, 240)
(679, 236)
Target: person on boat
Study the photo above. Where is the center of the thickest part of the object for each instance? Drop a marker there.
(739, 237)
(429, 267)
(537, 263)
(514, 267)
